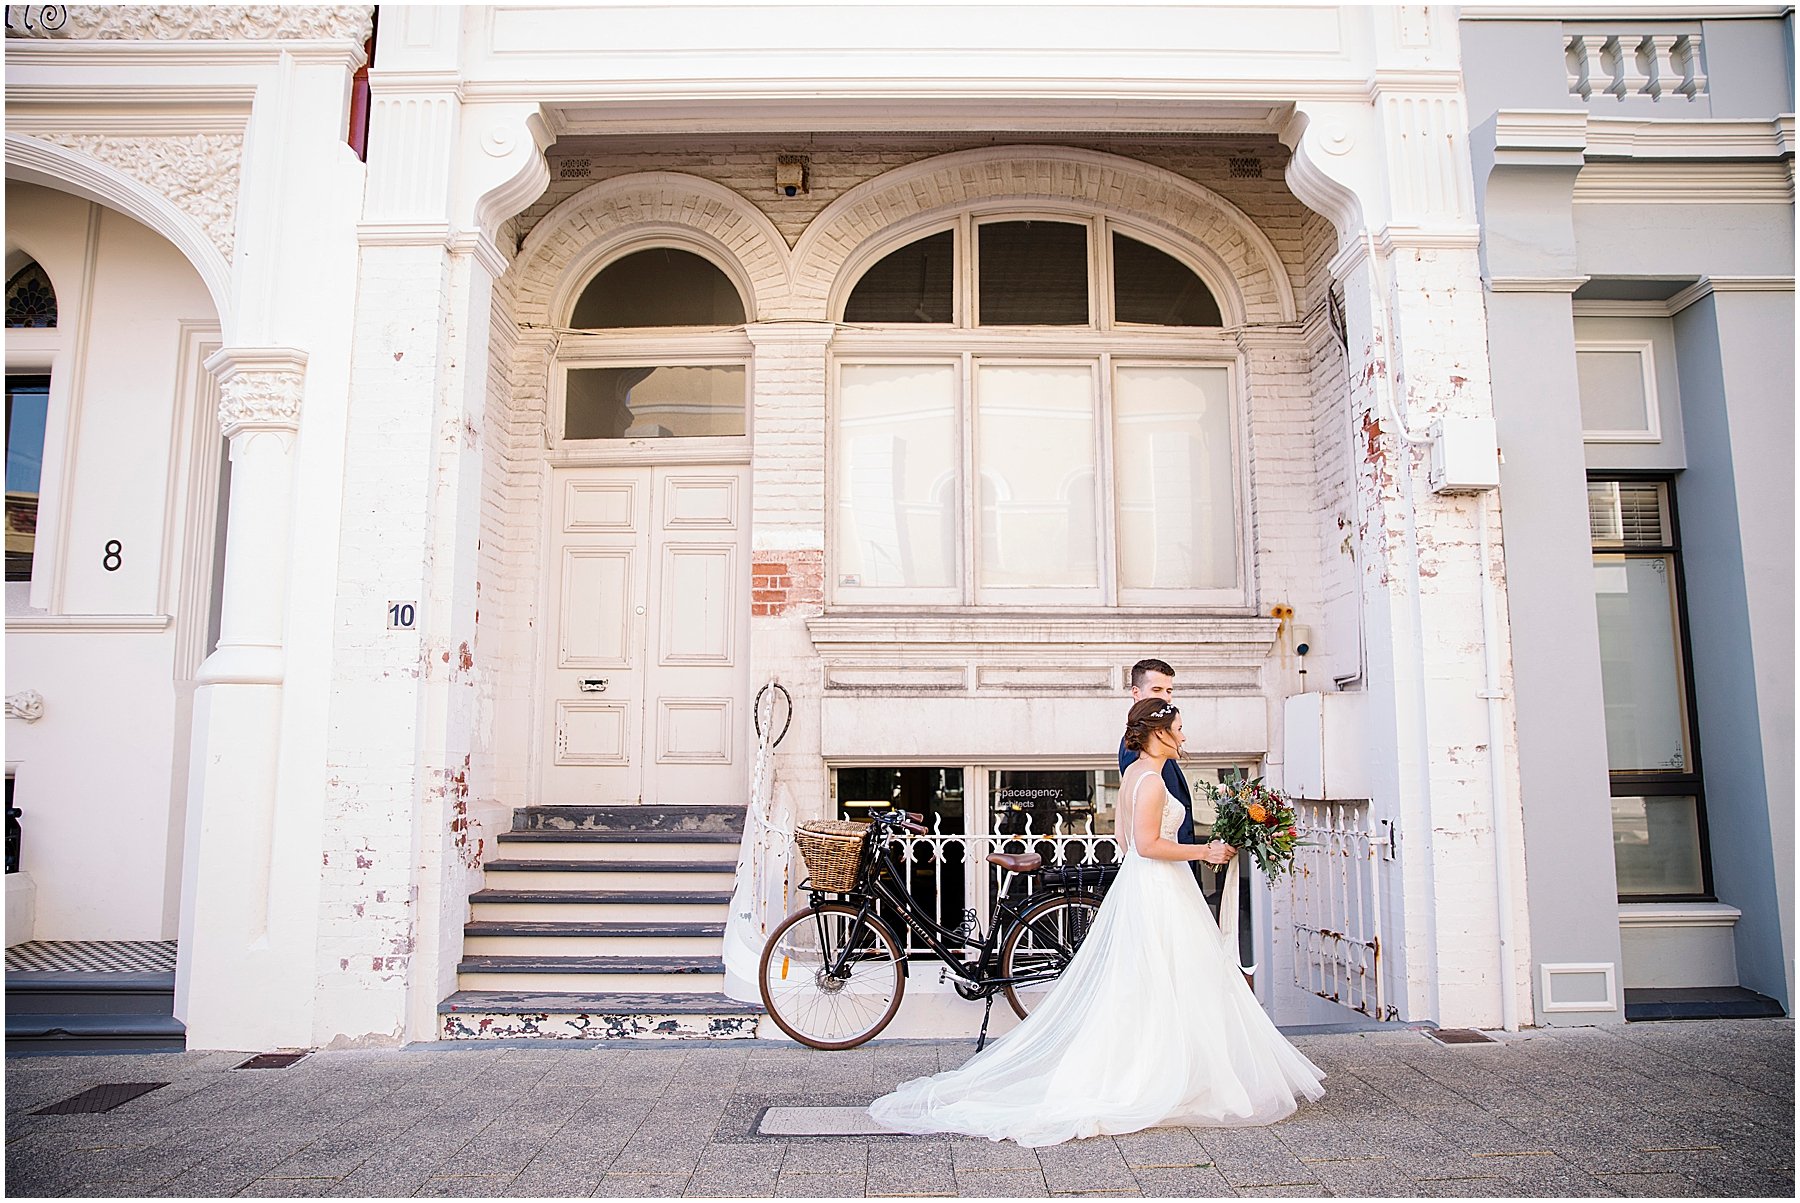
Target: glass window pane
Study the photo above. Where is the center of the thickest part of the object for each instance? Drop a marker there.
(654, 403)
(1035, 456)
(1656, 846)
(1640, 664)
(30, 299)
(896, 476)
(912, 284)
(1153, 288)
(27, 405)
(659, 287)
(1611, 386)
(1033, 273)
(1629, 513)
(1172, 472)
(937, 862)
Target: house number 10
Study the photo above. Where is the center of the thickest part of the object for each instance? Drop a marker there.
(401, 615)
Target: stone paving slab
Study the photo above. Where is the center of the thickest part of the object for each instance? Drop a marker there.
(1653, 1110)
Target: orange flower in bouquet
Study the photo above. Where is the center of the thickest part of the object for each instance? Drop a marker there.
(1257, 820)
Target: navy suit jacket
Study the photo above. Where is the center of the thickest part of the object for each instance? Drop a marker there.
(1176, 784)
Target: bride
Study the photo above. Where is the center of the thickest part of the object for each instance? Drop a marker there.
(1150, 1025)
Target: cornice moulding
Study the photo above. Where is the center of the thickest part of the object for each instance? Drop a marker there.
(1608, 13)
(1653, 183)
(834, 632)
(1540, 129)
(1697, 138)
(1565, 284)
(90, 624)
(1678, 914)
(72, 55)
(68, 115)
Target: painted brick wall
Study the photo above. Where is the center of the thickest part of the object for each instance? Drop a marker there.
(1280, 403)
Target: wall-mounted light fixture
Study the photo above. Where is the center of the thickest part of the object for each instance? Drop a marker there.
(790, 175)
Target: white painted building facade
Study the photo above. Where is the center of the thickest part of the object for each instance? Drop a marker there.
(289, 725)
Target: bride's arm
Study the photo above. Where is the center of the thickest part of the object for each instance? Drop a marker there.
(1146, 826)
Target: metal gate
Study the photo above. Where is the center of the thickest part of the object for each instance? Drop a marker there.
(1335, 897)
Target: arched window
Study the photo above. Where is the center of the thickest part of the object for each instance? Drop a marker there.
(1078, 391)
(662, 286)
(30, 299)
(656, 358)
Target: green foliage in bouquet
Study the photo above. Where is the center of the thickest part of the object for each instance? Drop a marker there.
(1255, 819)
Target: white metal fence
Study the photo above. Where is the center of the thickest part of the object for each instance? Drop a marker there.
(1335, 904)
(958, 862)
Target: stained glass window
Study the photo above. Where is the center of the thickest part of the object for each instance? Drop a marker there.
(30, 300)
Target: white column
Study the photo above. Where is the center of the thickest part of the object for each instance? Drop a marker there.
(1395, 179)
(239, 983)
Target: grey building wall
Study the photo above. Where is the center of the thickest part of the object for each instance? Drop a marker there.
(1734, 362)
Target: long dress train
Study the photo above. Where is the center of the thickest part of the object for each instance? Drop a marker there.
(1150, 1025)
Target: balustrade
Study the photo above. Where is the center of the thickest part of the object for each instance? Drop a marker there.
(1661, 66)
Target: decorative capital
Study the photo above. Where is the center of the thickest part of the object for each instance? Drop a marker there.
(259, 388)
(27, 704)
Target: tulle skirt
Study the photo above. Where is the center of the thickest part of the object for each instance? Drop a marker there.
(1151, 1025)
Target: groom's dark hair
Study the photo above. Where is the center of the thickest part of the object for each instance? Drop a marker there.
(1148, 666)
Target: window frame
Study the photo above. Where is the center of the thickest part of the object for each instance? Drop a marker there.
(1642, 783)
(617, 349)
(977, 801)
(1109, 595)
(1102, 285)
(1104, 343)
(1645, 350)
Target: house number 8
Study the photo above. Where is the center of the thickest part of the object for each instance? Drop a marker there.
(111, 560)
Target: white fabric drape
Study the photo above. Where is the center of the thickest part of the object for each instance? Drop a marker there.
(760, 898)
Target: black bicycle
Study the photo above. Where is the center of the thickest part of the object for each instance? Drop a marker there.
(833, 972)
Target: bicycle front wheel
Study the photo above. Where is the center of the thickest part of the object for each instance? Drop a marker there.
(811, 1003)
(1041, 945)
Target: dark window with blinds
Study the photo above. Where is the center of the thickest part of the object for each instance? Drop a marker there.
(1658, 811)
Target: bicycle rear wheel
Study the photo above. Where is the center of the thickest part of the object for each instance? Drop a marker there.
(1041, 945)
(810, 1004)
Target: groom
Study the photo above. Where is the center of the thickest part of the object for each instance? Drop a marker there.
(1155, 679)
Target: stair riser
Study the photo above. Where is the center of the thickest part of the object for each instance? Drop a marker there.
(575, 983)
(618, 850)
(623, 879)
(629, 818)
(601, 912)
(75, 1003)
(476, 1025)
(593, 946)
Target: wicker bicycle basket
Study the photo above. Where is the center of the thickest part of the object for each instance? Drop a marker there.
(832, 850)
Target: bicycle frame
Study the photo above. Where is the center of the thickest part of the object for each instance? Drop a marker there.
(981, 973)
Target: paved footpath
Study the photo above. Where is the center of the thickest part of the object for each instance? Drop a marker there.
(1656, 1109)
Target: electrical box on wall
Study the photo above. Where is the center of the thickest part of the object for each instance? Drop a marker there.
(1326, 754)
(1465, 455)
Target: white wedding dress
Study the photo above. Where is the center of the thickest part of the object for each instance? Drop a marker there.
(1150, 1025)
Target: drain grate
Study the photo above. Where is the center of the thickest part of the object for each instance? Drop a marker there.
(100, 1098)
(270, 1061)
(1459, 1036)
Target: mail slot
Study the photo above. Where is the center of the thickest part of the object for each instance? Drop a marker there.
(593, 685)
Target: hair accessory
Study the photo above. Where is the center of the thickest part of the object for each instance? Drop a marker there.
(1163, 711)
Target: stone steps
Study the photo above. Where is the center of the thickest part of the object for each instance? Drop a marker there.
(602, 922)
(92, 1012)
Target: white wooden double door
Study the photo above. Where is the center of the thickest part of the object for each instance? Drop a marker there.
(647, 635)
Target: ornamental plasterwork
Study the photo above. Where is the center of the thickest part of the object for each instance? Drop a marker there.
(260, 400)
(27, 704)
(198, 173)
(191, 22)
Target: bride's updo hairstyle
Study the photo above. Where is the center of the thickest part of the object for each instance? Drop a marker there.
(1146, 718)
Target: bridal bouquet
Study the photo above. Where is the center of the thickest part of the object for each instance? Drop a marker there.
(1255, 819)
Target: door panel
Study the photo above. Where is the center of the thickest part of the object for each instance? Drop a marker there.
(649, 624)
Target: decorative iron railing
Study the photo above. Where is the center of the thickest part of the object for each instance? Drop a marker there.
(1335, 904)
(939, 864)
